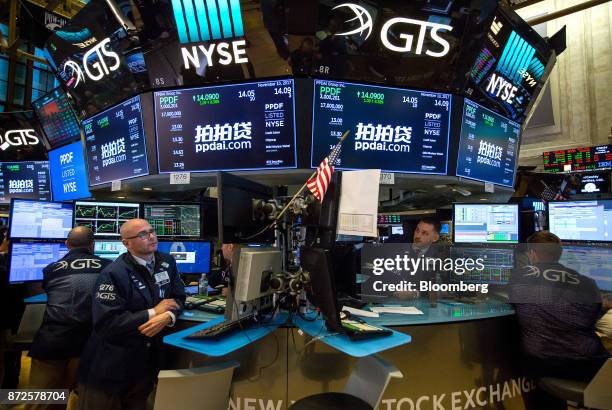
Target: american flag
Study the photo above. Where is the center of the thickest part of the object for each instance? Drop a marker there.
(549, 195)
(319, 182)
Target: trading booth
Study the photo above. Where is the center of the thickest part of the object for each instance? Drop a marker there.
(207, 118)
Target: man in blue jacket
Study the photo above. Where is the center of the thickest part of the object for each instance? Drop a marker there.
(66, 325)
(135, 298)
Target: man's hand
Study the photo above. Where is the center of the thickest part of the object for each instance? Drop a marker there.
(155, 325)
(165, 306)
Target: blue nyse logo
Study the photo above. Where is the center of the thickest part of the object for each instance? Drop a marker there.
(205, 22)
(198, 22)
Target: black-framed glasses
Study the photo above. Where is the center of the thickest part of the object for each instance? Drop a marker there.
(143, 234)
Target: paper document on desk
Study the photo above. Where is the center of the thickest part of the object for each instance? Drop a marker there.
(358, 211)
(359, 312)
(398, 310)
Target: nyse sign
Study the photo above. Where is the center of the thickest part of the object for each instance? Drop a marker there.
(407, 43)
(104, 62)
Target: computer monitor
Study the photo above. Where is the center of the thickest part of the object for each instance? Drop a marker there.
(498, 264)
(39, 219)
(321, 290)
(191, 257)
(397, 230)
(28, 259)
(592, 261)
(173, 219)
(235, 210)
(581, 220)
(255, 269)
(109, 249)
(104, 218)
(486, 223)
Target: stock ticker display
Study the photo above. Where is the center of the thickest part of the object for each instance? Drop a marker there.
(579, 159)
(392, 129)
(25, 180)
(57, 117)
(115, 143)
(174, 220)
(489, 145)
(104, 218)
(231, 127)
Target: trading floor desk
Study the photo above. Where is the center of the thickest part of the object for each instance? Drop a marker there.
(461, 353)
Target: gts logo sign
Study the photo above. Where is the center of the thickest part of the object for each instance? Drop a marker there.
(18, 138)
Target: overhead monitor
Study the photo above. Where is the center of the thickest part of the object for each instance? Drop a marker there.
(592, 261)
(115, 143)
(510, 69)
(581, 220)
(595, 183)
(104, 218)
(28, 259)
(27, 179)
(232, 127)
(68, 173)
(96, 58)
(486, 223)
(489, 144)
(174, 220)
(191, 257)
(20, 137)
(109, 249)
(579, 159)
(58, 119)
(391, 129)
(40, 220)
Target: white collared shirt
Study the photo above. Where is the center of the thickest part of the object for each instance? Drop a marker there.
(144, 262)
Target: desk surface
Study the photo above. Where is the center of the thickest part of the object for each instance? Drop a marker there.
(444, 312)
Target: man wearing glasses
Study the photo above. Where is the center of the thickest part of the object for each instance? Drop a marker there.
(135, 298)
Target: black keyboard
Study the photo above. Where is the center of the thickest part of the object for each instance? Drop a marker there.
(223, 328)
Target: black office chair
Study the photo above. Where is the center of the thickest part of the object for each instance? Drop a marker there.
(595, 395)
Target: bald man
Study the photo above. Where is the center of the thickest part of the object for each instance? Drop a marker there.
(67, 322)
(135, 298)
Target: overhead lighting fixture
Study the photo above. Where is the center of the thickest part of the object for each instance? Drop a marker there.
(147, 188)
(120, 197)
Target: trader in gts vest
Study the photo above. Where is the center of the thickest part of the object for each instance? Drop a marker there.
(66, 325)
(557, 309)
(135, 298)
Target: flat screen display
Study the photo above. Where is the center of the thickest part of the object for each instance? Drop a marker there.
(592, 261)
(488, 148)
(68, 172)
(115, 143)
(104, 218)
(595, 183)
(191, 257)
(109, 249)
(486, 223)
(581, 220)
(57, 117)
(391, 129)
(27, 180)
(20, 137)
(232, 127)
(174, 220)
(28, 259)
(579, 159)
(40, 220)
(510, 69)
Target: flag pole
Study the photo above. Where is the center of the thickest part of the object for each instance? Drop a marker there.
(298, 193)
